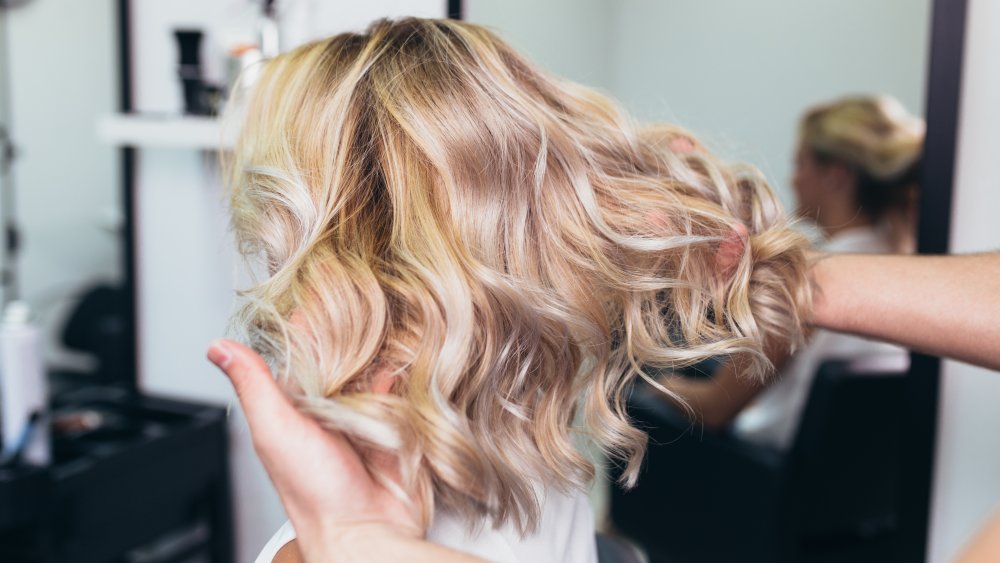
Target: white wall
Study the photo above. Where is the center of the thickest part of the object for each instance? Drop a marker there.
(62, 76)
(572, 38)
(741, 73)
(967, 471)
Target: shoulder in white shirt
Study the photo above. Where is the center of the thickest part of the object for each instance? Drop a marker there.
(565, 535)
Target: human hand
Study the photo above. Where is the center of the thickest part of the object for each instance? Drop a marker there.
(329, 495)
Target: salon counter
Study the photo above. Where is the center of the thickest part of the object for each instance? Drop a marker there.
(141, 479)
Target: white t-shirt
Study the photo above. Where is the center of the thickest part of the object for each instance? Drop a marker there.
(773, 417)
(565, 535)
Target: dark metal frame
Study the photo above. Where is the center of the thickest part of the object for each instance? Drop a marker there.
(128, 156)
(944, 86)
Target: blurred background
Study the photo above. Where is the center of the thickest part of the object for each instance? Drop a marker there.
(117, 244)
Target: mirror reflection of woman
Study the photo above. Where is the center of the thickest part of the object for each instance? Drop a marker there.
(857, 169)
(856, 173)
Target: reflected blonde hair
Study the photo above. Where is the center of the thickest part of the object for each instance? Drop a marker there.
(883, 143)
(505, 246)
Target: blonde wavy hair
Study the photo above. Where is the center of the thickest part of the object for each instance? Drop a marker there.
(883, 144)
(504, 248)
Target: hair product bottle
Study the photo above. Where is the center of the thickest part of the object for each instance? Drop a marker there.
(23, 387)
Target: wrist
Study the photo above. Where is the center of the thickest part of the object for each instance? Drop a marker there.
(826, 306)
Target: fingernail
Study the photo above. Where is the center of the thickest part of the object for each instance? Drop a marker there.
(219, 354)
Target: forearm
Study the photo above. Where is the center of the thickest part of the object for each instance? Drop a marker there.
(716, 401)
(942, 305)
(707, 402)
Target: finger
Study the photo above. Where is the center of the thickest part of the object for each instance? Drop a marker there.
(731, 249)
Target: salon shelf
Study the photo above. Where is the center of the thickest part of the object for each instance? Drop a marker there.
(162, 131)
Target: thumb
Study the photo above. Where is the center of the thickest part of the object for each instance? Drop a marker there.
(263, 401)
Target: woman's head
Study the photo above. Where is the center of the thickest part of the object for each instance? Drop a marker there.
(859, 158)
(504, 247)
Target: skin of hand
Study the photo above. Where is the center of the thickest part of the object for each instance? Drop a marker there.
(337, 508)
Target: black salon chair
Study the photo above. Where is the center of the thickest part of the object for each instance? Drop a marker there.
(611, 549)
(710, 497)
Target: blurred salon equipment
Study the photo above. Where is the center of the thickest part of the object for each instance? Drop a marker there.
(198, 94)
(834, 496)
(127, 476)
(97, 326)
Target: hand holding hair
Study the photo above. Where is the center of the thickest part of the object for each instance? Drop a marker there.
(332, 500)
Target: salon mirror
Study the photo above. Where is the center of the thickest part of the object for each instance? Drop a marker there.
(811, 466)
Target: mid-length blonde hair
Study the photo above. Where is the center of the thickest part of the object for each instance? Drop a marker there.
(883, 144)
(505, 245)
